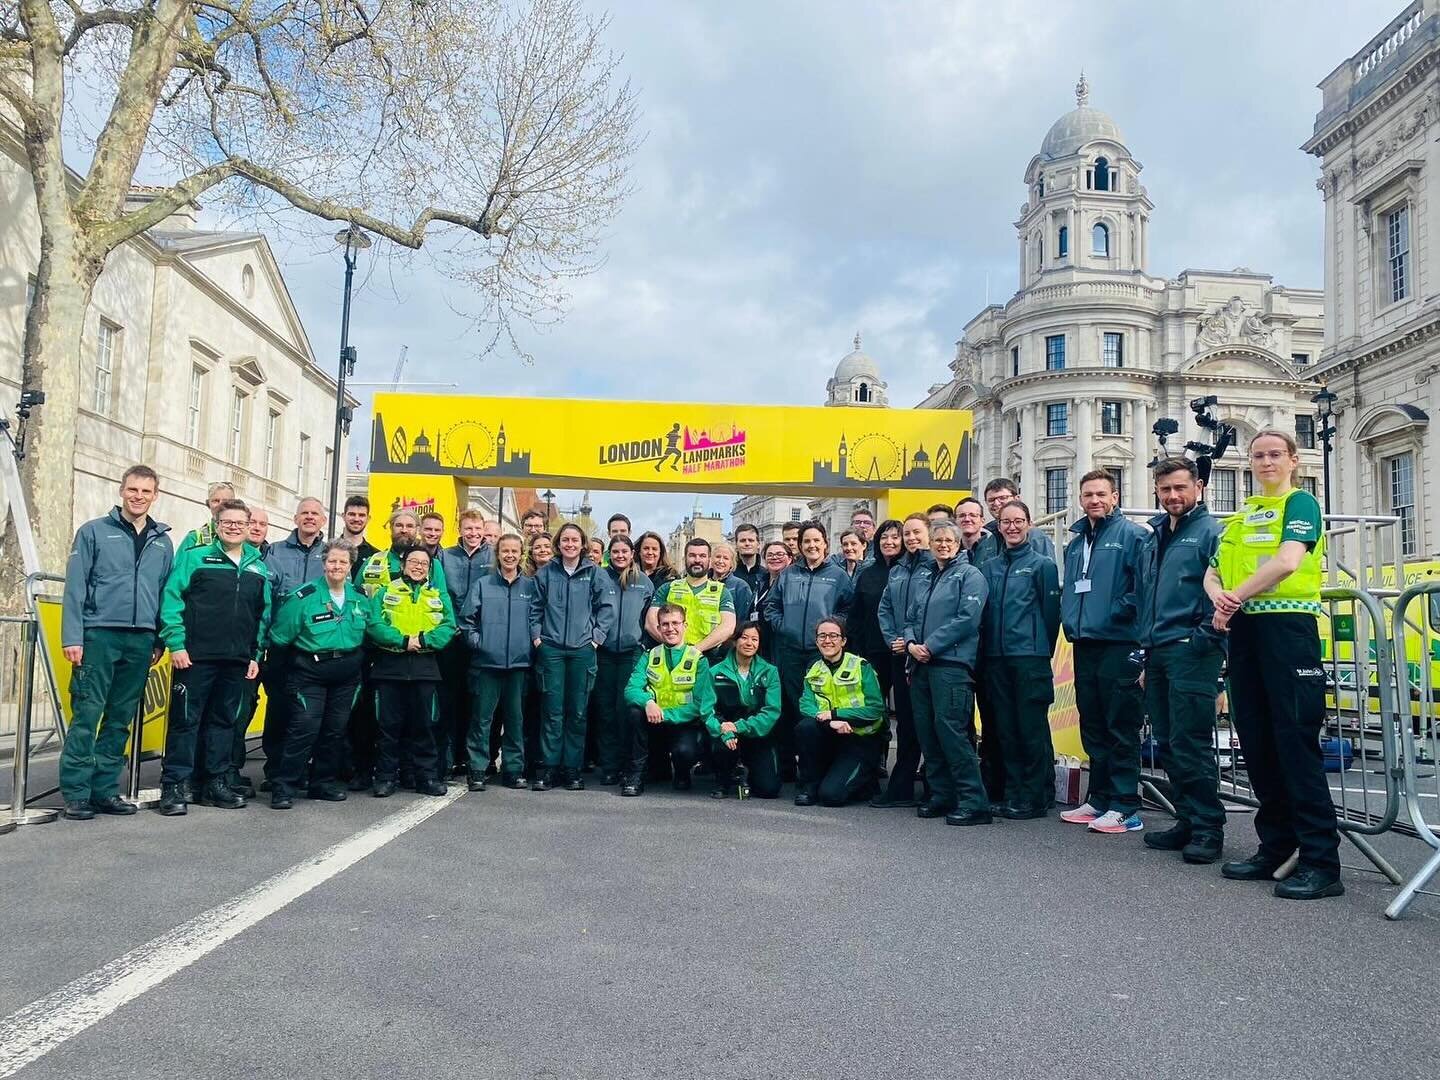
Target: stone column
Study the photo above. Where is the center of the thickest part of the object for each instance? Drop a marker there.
(1140, 440)
(1070, 232)
(1029, 432)
(1084, 437)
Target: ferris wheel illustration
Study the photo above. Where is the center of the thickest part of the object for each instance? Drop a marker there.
(466, 445)
(875, 457)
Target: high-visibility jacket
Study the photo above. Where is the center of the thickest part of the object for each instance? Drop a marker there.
(384, 567)
(405, 610)
(840, 686)
(672, 686)
(1254, 536)
(849, 691)
(702, 606)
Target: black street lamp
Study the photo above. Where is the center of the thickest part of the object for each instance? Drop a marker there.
(354, 241)
(549, 498)
(1325, 419)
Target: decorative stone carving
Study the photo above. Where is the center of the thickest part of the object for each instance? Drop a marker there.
(966, 364)
(1232, 323)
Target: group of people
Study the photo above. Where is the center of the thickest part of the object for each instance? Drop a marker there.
(541, 659)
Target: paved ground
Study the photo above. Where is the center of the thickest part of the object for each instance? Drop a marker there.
(583, 935)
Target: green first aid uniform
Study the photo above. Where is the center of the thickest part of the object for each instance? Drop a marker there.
(322, 681)
(1277, 680)
(837, 768)
(676, 678)
(704, 606)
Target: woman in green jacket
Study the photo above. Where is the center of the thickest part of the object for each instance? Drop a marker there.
(747, 705)
(842, 715)
(411, 620)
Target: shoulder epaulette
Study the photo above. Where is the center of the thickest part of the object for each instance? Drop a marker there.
(308, 589)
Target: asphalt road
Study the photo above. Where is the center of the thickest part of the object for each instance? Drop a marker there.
(562, 935)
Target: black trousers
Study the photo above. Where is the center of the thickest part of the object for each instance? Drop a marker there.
(680, 742)
(758, 757)
(408, 712)
(363, 731)
(210, 697)
(793, 664)
(1277, 702)
(453, 730)
(1181, 683)
(610, 715)
(1019, 690)
(987, 741)
(837, 768)
(320, 695)
(1109, 700)
(901, 784)
(275, 677)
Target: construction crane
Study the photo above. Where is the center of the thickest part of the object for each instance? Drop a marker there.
(399, 368)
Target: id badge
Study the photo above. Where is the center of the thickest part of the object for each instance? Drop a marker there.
(1082, 585)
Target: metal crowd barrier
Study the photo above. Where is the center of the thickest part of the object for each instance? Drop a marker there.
(1417, 651)
(20, 812)
(1360, 728)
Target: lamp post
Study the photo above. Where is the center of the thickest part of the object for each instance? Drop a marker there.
(549, 498)
(354, 241)
(1324, 401)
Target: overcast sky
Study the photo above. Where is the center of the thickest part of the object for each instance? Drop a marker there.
(815, 168)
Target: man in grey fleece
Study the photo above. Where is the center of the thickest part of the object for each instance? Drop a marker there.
(118, 565)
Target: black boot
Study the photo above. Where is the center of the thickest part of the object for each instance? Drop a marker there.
(476, 782)
(218, 794)
(932, 809)
(384, 789)
(78, 810)
(632, 786)
(514, 780)
(1259, 867)
(1204, 847)
(1309, 884)
(173, 802)
(969, 817)
(359, 782)
(241, 784)
(280, 798)
(115, 806)
(805, 795)
(575, 782)
(544, 779)
(1172, 839)
(430, 787)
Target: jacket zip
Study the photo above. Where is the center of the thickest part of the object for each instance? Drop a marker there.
(1004, 589)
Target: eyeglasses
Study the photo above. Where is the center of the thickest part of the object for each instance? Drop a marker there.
(828, 637)
(233, 524)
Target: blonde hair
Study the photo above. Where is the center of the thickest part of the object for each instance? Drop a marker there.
(1274, 433)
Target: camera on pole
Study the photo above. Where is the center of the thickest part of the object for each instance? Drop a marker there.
(1205, 454)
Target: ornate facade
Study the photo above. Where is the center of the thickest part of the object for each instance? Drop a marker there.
(1072, 373)
(1375, 137)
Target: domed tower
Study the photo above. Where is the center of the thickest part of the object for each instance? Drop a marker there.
(856, 381)
(1087, 209)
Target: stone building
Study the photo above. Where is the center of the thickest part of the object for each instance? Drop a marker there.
(1072, 372)
(1376, 139)
(193, 361)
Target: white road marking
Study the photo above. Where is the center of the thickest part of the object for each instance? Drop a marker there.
(35, 1030)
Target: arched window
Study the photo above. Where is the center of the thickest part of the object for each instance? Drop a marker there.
(1040, 186)
(1102, 174)
(1100, 241)
(1064, 247)
(862, 392)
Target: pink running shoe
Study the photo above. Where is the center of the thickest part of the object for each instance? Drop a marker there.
(1081, 815)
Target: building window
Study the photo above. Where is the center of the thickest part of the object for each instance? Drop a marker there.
(1397, 252)
(862, 393)
(1018, 432)
(1102, 174)
(1063, 248)
(1100, 241)
(1015, 360)
(1305, 431)
(1400, 483)
(1112, 418)
(1117, 476)
(1299, 359)
(272, 440)
(1112, 350)
(302, 467)
(1055, 352)
(107, 352)
(1057, 418)
(1040, 185)
(237, 426)
(1307, 483)
(1057, 490)
(795, 513)
(193, 408)
(1221, 495)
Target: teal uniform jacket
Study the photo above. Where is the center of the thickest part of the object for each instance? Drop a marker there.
(308, 619)
(759, 695)
(701, 706)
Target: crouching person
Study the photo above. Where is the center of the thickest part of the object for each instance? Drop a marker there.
(322, 624)
(411, 620)
(842, 720)
(747, 707)
(672, 699)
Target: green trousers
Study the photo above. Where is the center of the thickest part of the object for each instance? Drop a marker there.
(1019, 690)
(105, 691)
(566, 677)
(944, 702)
(491, 687)
(1181, 684)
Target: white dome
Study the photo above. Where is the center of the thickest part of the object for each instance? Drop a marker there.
(855, 364)
(1079, 127)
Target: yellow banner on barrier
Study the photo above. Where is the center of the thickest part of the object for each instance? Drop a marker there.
(689, 446)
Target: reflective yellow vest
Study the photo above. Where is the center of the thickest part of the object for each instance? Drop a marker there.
(1251, 538)
(672, 687)
(843, 688)
(411, 611)
(375, 574)
(702, 607)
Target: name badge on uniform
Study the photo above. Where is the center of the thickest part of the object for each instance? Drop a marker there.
(323, 616)
(1259, 538)
(1082, 585)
